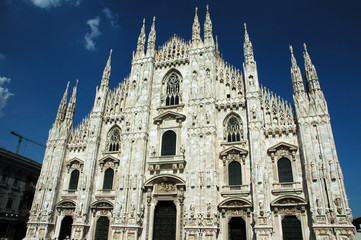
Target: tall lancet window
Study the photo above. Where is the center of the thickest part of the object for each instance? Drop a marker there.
(234, 131)
(172, 93)
(113, 141)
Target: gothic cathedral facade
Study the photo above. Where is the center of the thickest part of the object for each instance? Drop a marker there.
(189, 147)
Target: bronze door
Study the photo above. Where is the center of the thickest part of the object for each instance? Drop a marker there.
(102, 229)
(165, 219)
(291, 228)
(237, 229)
(65, 229)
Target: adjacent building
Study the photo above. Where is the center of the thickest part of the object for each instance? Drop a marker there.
(18, 177)
(190, 147)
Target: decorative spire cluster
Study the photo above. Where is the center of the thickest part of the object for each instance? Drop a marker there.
(247, 47)
(175, 48)
(106, 72)
(208, 32)
(141, 41)
(297, 80)
(196, 29)
(62, 106)
(313, 84)
(230, 76)
(71, 106)
(80, 134)
(278, 115)
(115, 99)
(311, 74)
(151, 39)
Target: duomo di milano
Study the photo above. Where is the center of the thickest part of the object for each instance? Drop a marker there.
(189, 147)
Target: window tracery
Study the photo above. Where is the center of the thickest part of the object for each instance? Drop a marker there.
(233, 130)
(172, 91)
(113, 141)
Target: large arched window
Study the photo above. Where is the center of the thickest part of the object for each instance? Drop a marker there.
(74, 179)
(169, 142)
(284, 170)
(233, 131)
(172, 92)
(234, 174)
(113, 140)
(108, 179)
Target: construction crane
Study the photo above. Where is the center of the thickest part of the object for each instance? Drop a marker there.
(27, 139)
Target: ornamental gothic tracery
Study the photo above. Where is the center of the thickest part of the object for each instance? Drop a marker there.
(172, 92)
(190, 147)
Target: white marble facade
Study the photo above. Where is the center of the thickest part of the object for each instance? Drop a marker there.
(230, 135)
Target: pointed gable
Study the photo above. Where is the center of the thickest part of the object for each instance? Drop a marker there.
(282, 146)
(169, 115)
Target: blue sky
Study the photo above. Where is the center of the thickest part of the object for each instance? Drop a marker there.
(46, 43)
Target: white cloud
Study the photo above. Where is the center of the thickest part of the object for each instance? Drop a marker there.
(112, 17)
(94, 32)
(53, 3)
(2, 56)
(4, 93)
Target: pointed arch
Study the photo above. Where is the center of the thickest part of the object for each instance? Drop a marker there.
(172, 89)
(113, 139)
(233, 128)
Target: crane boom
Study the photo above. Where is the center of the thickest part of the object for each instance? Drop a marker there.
(27, 139)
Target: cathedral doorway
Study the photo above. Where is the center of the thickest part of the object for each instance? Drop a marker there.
(102, 229)
(65, 229)
(291, 228)
(165, 220)
(236, 229)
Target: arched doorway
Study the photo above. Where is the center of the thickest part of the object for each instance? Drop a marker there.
(165, 219)
(236, 229)
(291, 228)
(102, 229)
(65, 229)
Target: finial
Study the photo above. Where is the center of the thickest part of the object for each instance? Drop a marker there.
(154, 19)
(207, 7)
(246, 37)
(76, 84)
(291, 49)
(196, 10)
(67, 86)
(143, 21)
(217, 44)
(305, 47)
(111, 51)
